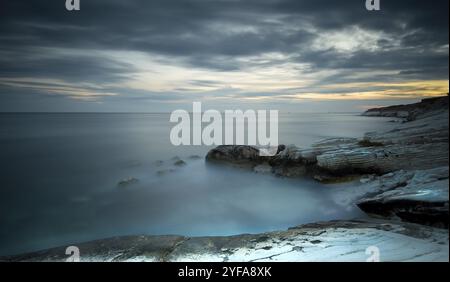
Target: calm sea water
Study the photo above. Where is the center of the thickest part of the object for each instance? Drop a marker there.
(60, 174)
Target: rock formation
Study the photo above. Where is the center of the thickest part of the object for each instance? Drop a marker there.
(418, 144)
(421, 196)
(411, 161)
(324, 241)
(411, 111)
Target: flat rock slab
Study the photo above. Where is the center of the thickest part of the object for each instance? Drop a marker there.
(325, 241)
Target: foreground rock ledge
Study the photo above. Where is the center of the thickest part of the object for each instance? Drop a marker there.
(324, 241)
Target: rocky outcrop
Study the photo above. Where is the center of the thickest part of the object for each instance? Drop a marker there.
(421, 197)
(410, 111)
(409, 164)
(325, 241)
(420, 144)
(127, 182)
(241, 156)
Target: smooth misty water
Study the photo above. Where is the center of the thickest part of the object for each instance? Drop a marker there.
(59, 175)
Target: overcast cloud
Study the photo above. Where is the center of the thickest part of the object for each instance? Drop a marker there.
(157, 55)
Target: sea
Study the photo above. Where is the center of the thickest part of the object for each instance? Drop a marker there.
(67, 178)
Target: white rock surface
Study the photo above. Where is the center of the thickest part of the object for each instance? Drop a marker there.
(326, 241)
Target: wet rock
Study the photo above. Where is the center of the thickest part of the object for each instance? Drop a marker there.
(323, 241)
(423, 198)
(239, 155)
(334, 179)
(281, 148)
(367, 178)
(127, 182)
(179, 163)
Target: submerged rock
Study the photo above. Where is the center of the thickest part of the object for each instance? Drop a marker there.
(179, 163)
(127, 181)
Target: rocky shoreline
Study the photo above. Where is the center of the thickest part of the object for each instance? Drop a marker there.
(405, 169)
(404, 177)
(323, 241)
(412, 111)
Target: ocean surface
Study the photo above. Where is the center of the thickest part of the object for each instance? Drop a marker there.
(60, 174)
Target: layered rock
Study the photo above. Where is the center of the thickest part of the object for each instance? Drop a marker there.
(420, 197)
(410, 111)
(419, 144)
(411, 162)
(325, 241)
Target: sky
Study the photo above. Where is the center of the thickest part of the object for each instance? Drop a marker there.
(161, 55)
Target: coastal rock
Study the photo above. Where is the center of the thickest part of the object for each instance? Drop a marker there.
(324, 241)
(294, 155)
(419, 144)
(410, 111)
(127, 182)
(179, 163)
(408, 165)
(421, 198)
(383, 159)
(239, 155)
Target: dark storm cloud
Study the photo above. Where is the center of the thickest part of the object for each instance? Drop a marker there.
(217, 35)
(412, 63)
(69, 67)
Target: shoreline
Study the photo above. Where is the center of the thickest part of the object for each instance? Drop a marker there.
(321, 241)
(405, 176)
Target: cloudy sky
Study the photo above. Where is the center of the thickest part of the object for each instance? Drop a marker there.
(159, 55)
